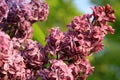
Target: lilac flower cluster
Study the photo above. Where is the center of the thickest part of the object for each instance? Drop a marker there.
(84, 37)
(20, 56)
(17, 16)
(64, 57)
(20, 59)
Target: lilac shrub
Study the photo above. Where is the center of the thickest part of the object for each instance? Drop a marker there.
(64, 57)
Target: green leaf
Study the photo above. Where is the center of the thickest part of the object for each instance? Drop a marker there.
(38, 34)
(39, 78)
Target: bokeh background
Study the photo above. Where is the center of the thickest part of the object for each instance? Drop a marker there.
(106, 62)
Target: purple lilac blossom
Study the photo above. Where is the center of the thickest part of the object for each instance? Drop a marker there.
(17, 16)
(84, 37)
(64, 56)
(11, 62)
(81, 68)
(20, 59)
(58, 71)
(34, 55)
(4, 42)
(3, 10)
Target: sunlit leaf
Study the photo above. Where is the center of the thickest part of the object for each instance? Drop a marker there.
(38, 34)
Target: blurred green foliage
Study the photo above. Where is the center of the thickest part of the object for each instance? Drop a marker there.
(38, 34)
(107, 63)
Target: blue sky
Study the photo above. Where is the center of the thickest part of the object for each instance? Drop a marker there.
(83, 5)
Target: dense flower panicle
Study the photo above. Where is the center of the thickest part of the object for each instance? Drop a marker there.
(39, 11)
(4, 46)
(21, 59)
(3, 9)
(18, 15)
(81, 39)
(65, 53)
(54, 40)
(4, 42)
(34, 55)
(88, 35)
(81, 68)
(24, 30)
(31, 10)
(14, 66)
(104, 14)
(83, 21)
(57, 71)
(85, 36)
(21, 30)
(11, 64)
(32, 52)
